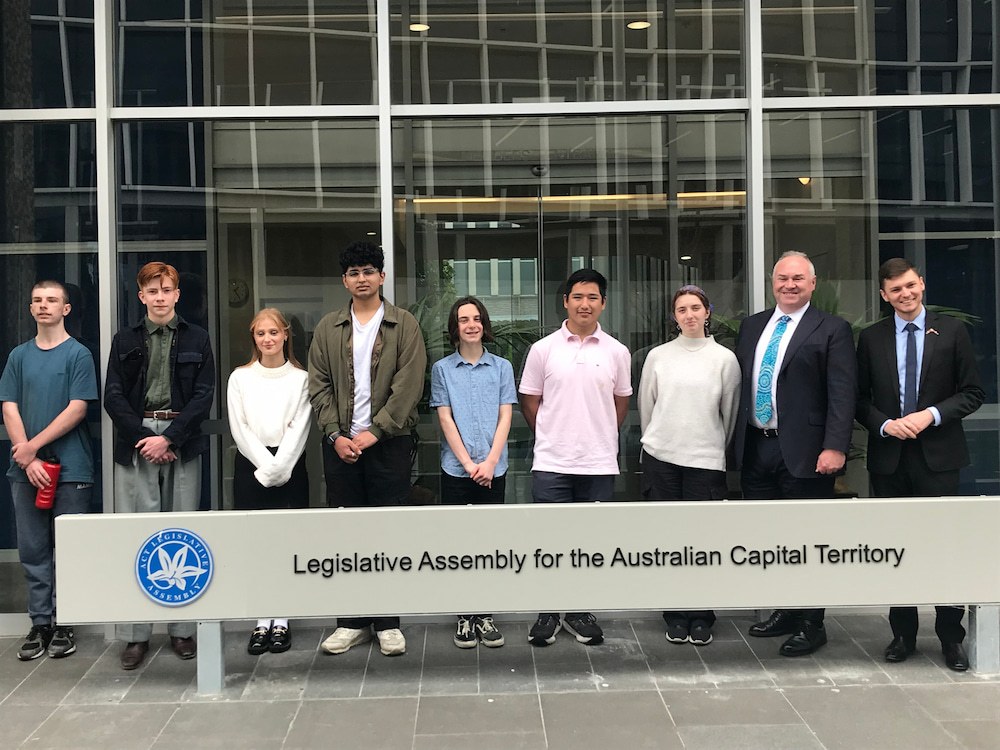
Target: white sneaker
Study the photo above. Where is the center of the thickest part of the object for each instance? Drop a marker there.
(391, 641)
(343, 638)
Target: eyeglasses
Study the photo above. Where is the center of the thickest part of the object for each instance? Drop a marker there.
(354, 273)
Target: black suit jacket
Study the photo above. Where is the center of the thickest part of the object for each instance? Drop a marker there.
(949, 380)
(817, 388)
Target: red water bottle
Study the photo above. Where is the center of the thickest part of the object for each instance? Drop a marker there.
(47, 495)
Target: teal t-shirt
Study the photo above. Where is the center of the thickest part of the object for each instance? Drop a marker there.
(42, 382)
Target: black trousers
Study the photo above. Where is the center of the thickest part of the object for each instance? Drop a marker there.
(765, 477)
(913, 478)
(662, 480)
(249, 494)
(465, 491)
(381, 477)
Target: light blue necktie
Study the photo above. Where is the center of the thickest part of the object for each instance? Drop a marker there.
(766, 377)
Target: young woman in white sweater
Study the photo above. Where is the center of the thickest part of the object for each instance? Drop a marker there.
(269, 417)
(688, 398)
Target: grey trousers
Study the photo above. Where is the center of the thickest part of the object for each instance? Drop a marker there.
(144, 487)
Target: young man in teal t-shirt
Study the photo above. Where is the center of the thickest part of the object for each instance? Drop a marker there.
(45, 388)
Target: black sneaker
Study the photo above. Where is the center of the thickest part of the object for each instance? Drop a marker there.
(465, 634)
(543, 632)
(487, 632)
(35, 643)
(584, 626)
(678, 631)
(62, 643)
(701, 633)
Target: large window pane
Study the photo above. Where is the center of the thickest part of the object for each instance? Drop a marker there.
(246, 52)
(252, 214)
(472, 51)
(854, 188)
(507, 209)
(859, 47)
(48, 230)
(48, 54)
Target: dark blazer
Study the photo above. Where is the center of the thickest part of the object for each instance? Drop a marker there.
(192, 388)
(949, 380)
(816, 388)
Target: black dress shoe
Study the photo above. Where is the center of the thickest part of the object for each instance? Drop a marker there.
(781, 622)
(281, 640)
(134, 654)
(259, 641)
(955, 657)
(899, 649)
(185, 648)
(809, 638)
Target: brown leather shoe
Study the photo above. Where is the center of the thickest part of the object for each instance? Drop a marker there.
(185, 648)
(133, 654)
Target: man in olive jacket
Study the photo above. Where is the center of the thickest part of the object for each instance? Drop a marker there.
(366, 374)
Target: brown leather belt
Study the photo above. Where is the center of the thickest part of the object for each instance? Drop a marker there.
(161, 414)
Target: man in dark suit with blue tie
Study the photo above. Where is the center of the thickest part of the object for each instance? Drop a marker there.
(796, 414)
(918, 379)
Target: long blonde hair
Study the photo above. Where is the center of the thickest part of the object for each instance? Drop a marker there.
(274, 314)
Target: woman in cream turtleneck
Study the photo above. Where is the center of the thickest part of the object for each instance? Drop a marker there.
(688, 398)
(269, 418)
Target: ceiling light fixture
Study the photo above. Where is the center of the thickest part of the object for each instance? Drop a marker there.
(419, 27)
(805, 180)
(638, 25)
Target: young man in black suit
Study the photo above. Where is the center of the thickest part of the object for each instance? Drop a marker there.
(796, 414)
(916, 386)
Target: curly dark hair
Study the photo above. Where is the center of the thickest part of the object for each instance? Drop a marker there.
(360, 254)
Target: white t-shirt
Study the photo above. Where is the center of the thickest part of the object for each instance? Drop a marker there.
(363, 343)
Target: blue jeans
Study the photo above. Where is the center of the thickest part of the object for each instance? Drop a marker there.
(36, 541)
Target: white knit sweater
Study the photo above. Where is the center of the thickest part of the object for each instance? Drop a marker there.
(269, 406)
(688, 399)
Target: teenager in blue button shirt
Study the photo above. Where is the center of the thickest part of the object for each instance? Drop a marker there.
(473, 392)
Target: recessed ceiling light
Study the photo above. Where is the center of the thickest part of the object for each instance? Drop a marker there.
(371, 234)
(419, 27)
(638, 25)
(805, 180)
(685, 257)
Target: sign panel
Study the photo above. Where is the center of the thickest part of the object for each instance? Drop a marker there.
(526, 558)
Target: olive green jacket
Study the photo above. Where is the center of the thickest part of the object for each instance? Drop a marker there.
(399, 361)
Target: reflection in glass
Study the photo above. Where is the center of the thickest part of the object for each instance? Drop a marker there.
(507, 209)
(252, 214)
(48, 230)
(246, 53)
(860, 47)
(48, 54)
(474, 51)
(897, 183)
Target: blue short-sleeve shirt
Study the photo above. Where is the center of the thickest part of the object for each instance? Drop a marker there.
(474, 393)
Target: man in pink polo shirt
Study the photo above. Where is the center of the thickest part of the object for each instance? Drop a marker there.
(574, 395)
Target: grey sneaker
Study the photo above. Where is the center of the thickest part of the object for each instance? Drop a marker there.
(465, 635)
(543, 632)
(35, 643)
(487, 632)
(62, 643)
(584, 626)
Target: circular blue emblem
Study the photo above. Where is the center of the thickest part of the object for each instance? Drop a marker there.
(174, 567)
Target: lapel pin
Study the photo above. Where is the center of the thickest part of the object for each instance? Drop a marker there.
(930, 331)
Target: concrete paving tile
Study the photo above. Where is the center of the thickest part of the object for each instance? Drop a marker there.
(391, 677)
(732, 664)
(163, 678)
(101, 728)
(249, 724)
(20, 722)
(280, 676)
(565, 651)
(498, 741)
(441, 651)
(873, 626)
(636, 720)
(975, 735)
(100, 689)
(498, 678)
(327, 684)
(480, 714)
(802, 671)
(383, 723)
(722, 707)
(449, 681)
(958, 702)
(750, 737)
(558, 678)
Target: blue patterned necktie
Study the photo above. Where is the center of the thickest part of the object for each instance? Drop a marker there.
(766, 378)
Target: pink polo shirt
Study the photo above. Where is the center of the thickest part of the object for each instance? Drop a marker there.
(576, 430)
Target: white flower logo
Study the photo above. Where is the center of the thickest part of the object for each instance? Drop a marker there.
(174, 570)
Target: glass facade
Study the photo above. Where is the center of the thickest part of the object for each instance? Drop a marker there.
(493, 147)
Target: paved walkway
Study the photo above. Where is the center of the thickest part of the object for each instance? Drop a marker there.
(635, 691)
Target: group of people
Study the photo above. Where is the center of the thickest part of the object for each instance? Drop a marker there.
(783, 405)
